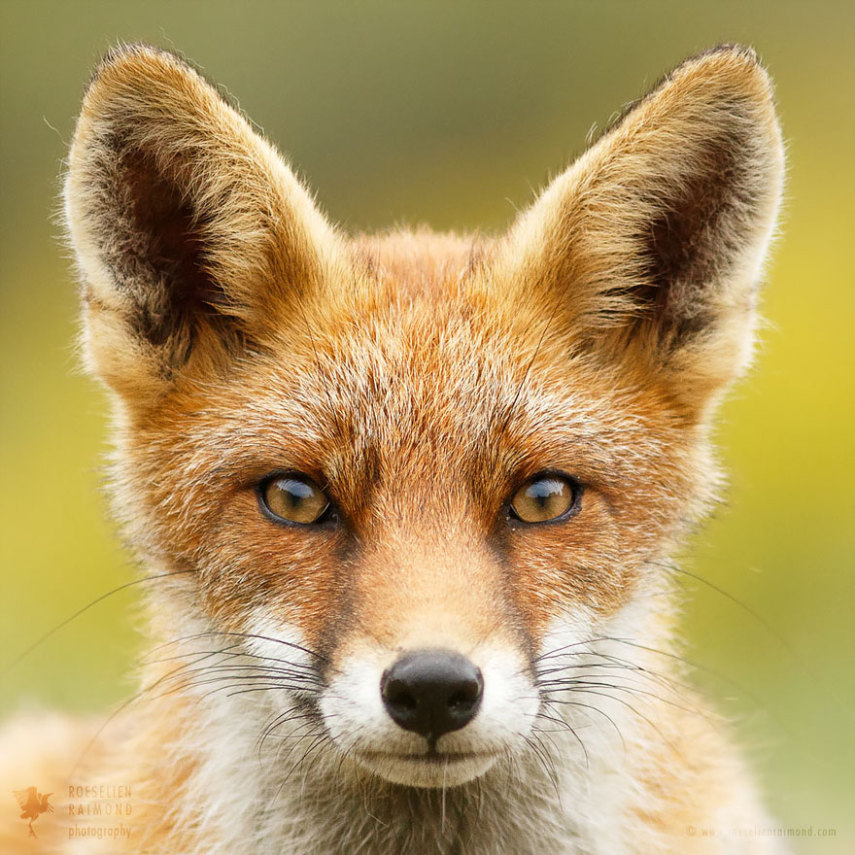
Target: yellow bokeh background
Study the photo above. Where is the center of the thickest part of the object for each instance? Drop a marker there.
(451, 114)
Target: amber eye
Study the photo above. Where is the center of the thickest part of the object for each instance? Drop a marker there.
(294, 499)
(545, 498)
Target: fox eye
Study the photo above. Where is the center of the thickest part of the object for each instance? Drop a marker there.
(293, 499)
(545, 498)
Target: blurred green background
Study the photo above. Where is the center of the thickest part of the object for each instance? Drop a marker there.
(450, 114)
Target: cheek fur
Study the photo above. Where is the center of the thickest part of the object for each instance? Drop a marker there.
(294, 575)
(591, 561)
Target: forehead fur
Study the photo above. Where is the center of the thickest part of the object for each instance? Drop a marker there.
(419, 261)
(417, 374)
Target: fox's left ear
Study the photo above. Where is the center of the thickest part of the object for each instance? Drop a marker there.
(651, 245)
(195, 240)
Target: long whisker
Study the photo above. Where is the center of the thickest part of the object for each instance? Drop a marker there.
(550, 701)
(674, 568)
(81, 611)
(542, 755)
(307, 683)
(257, 671)
(250, 635)
(564, 726)
(636, 712)
(574, 684)
(281, 719)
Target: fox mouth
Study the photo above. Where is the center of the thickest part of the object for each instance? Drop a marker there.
(433, 769)
(437, 758)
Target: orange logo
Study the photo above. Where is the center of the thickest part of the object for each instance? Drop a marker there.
(33, 804)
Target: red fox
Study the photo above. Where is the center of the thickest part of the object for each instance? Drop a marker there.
(407, 502)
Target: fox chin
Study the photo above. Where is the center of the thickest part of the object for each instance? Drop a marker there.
(407, 502)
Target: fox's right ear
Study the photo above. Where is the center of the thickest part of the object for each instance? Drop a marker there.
(647, 251)
(191, 233)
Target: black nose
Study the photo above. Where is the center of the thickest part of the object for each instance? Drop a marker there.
(432, 692)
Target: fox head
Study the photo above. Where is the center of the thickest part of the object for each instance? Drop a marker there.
(399, 475)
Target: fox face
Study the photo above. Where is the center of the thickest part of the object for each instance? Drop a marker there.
(399, 481)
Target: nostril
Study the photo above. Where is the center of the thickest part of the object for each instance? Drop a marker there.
(432, 692)
(396, 692)
(461, 700)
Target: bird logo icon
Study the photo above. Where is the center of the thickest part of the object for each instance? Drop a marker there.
(33, 804)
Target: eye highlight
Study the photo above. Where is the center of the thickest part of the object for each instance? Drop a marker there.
(545, 498)
(294, 499)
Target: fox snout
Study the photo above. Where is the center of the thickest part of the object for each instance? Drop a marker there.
(431, 716)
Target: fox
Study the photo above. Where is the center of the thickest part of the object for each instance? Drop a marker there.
(407, 503)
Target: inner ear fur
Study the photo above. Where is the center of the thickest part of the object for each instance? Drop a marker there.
(192, 235)
(651, 244)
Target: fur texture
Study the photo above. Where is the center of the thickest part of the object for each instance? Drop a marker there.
(419, 379)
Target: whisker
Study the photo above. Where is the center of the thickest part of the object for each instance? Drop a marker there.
(566, 725)
(542, 755)
(258, 671)
(574, 684)
(674, 568)
(81, 611)
(640, 715)
(250, 635)
(592, 708)
(283, 718)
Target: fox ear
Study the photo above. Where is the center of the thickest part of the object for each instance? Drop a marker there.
(651, 245)
(191, 233)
